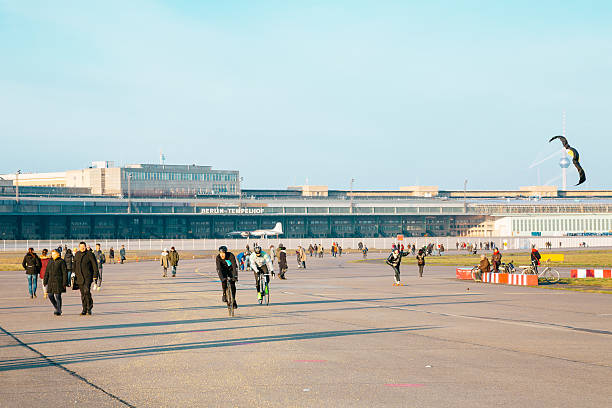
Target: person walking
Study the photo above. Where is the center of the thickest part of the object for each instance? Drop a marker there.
(56, 279)
(68, 260)
(31, 264)
(421, 262)
(282, 262)
(173, 257)
(111, 255)
(122, 254)
(85, 271)
(101, 260)
(44, 261)
(302, 257)
(272, 254)
(164, 262)
(321, 251)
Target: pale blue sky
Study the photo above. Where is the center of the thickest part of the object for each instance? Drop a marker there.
(390, 93)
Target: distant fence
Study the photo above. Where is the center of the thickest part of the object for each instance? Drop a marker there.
(346, 243)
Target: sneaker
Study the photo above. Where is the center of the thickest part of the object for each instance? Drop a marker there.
(83, 313)
(31, 296)
(224, 298)
(258, 296)
(35, 295)
(235, 305)
(89, 312)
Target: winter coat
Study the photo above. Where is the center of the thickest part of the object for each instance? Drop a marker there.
(31, 263)
(44, 261)
(164, 260)
(395, 260)
(85, 268)
(68, 257)
(225, 270)
(535, 256)
(56, 276)
(420, 259)
(302, 255)
(173, 257)
(282, 260)
(484, 265)
(122, 253)
(100, 257)
(496, 257)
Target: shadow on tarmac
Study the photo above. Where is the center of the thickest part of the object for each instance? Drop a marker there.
(62, 359)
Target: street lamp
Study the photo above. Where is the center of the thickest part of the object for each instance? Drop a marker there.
(17, 186)
(129, 193)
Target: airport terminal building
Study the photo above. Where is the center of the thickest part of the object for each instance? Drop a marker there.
(304, 211)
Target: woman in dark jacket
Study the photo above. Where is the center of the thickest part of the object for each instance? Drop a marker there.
(282, 262)
(68, 259)
(56, 279)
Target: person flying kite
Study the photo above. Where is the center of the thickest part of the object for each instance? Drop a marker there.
(575, 157)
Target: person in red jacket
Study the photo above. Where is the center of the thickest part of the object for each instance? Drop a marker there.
(44, 261)
(535, 258)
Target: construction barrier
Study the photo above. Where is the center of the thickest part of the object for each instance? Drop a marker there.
(591, 273)
(501, 278)
(464, 273)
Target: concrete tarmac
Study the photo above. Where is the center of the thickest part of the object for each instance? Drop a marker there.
(337, 334)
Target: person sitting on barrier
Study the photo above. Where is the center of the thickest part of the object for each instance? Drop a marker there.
(496, 260)
(483, 267)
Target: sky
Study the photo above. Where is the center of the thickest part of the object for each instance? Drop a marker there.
(389, 93)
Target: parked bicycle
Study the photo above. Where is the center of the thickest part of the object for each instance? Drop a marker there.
(548, 273)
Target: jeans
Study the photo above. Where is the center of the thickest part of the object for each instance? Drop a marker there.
(32, 284)
(396, 271)
(173, 270)
(56, 300)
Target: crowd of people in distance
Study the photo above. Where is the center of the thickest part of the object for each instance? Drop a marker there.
(79, 268)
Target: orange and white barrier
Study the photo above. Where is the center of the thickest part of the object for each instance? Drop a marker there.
(591, 273)
(464, 273)
(501, 278)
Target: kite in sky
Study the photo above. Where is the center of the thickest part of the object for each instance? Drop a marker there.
(575, 157)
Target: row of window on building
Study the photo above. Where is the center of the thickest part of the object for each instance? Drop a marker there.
(562, 224)
(174, 176)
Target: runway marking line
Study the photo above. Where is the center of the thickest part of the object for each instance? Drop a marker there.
(310, 361)
(405, 385)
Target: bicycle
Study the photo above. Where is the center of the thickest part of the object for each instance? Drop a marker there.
(548, 273)
(476, 270)
(507, 267)
(229, 295)
(264, 287)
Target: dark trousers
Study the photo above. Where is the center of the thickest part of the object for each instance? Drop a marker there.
(264, 270)
(86, 298)
(233, 286)
(421, 270)
(56, 300)
(396, 271)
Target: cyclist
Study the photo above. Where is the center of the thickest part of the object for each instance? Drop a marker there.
(535, 258)
(261, 264)
(228, 271)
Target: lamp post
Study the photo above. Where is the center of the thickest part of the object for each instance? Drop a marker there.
(129, 193)
(17, 186)
(352, 181)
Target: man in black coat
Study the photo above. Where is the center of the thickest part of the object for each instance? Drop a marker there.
(85, 271)
(32, 264)
(56, 280)
(227, 268)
